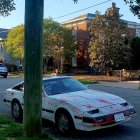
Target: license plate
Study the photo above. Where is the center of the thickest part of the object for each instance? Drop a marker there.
(119, 117)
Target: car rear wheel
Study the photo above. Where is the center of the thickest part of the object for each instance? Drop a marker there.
(5, 76)
(64, 123)
(17, 111)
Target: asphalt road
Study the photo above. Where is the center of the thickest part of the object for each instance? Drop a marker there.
(127, 131)
(4, 84)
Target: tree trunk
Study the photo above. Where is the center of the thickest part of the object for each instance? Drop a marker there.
(33, 67)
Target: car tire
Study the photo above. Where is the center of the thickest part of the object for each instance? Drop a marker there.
(5, 76)
(64, 123)
(17, 111)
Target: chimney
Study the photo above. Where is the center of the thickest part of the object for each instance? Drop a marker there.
(113, 5)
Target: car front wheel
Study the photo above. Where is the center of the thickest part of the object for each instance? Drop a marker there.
(64, 123)
(17, 112)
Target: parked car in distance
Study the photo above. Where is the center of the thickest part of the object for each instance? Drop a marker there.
(71, 105)
(3, 70)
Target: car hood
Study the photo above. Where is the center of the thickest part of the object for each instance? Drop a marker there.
(89, 99)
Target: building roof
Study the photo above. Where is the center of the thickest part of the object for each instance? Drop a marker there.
(85, 16)
(80, 18)
(89, 16)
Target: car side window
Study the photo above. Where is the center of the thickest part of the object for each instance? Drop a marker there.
(19, 87)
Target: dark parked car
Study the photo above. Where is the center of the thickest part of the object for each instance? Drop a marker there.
(3, 70)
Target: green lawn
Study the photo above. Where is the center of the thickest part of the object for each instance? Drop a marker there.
(14, 131)
(88, 81)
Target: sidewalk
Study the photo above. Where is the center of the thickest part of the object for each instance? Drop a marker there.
(122, 84)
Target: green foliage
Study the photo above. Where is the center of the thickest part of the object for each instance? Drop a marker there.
(26, 138)
(58, 40)
(14, 130)
(109, 48)
(9, 129)
(135, 45)
(134, 6)
(88, 81)
(6, 6)
(4, 120)
(15, 42)
(69, 46)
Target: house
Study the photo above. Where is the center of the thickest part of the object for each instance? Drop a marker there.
(79, 26)
(4, 56)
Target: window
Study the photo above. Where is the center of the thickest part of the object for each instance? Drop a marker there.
(138, 34)
(74, 32)
(19, 87)
(74, 61)
(62, 86)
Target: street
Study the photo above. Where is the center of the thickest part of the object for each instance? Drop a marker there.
(128, 131)
(4, 84)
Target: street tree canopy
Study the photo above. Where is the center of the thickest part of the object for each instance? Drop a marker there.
(108, 45)
(56, 37)
(57, 40)
(135, 45)
(75, 1)
(134, 6)
(6, 6)
(15, 42)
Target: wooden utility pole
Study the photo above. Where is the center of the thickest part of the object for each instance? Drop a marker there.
(33, 67)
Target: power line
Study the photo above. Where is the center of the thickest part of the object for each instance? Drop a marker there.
(83, 9)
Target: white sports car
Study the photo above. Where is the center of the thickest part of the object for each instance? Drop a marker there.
(71, 105)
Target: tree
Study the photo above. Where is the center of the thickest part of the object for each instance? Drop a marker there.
(134, 6)
(135, 45)
(55, 36)
(6, 6)
(108, 46)
(58, 41)
(15, 42)
(75, 1)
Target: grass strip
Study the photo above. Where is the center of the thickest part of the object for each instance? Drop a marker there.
(88, 81)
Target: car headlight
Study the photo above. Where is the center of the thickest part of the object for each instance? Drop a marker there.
(124, 104)
(94, 111)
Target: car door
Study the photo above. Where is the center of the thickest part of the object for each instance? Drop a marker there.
(47, 107)
(17, 93)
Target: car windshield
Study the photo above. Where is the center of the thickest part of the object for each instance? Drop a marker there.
(62, 85)
(1, 65)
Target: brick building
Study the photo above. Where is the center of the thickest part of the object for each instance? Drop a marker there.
(79, 26)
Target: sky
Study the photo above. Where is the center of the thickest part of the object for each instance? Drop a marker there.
(57, 8)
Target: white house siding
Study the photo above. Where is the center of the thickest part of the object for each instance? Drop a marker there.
(6, 57)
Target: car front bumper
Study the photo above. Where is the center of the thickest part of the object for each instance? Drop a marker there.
(94, 123)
